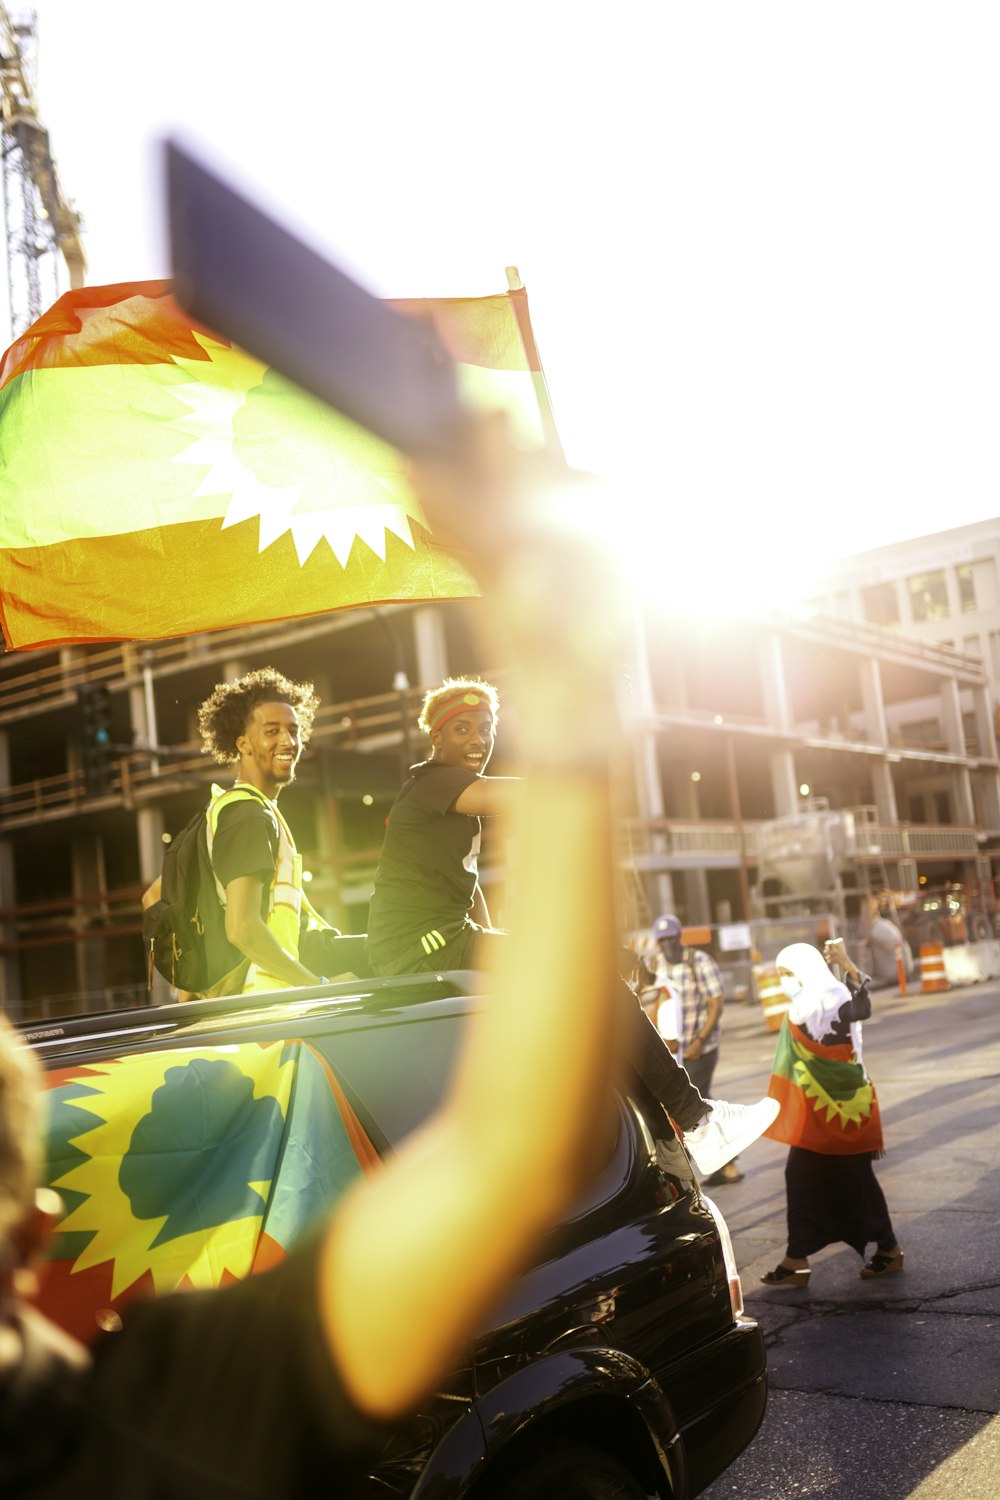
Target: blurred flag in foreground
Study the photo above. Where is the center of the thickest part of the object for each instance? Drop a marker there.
(189, 1168)
(155, 480)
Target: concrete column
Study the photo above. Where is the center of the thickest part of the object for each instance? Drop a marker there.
(987, 789)
(11, 996)
(431, 646)
(698, 907)
(149, 832)
(650, 802)
(951, 717)
(990, 795)
(11, 991)
(963, 804)
(985, 735)
(954, 597)
(650, 806)
(87, 856)
(961, 792)
(785, 783)
(777, 707)
(885, 791)
(873, 702)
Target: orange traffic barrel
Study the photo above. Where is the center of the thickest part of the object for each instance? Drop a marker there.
(773, 999)
(932, 974)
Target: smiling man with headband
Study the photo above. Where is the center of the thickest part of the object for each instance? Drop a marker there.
(428, 910)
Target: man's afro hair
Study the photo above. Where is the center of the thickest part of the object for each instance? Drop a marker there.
(224, 717)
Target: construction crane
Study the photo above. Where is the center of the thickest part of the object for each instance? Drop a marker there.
(40, 225)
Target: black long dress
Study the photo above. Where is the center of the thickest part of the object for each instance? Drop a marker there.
(836, 1198)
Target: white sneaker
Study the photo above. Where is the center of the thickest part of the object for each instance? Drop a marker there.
(726, 1131)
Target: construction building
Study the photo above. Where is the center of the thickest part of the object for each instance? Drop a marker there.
(751, 721)
(735, 724)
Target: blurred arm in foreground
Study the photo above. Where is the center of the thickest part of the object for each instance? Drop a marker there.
(417, 1254)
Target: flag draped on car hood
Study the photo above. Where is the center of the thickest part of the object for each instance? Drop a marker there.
(155, 480)
(827, 1100)
(189, 1168)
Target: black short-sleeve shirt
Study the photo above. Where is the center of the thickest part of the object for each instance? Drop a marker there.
(216, 1394)
(427, 871)
(246, 841)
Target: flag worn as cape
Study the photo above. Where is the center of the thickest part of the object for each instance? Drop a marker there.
(189, 1168)
(155, 480)
(828, 1103)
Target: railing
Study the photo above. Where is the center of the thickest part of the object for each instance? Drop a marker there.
(121, 665)
(383, 719)
(879, 640)
(648, 843)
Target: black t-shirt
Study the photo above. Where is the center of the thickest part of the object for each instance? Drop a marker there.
(246, 841)
(216, 1394)
(426, 875)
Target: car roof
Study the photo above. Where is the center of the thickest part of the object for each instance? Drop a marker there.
(120, 1031)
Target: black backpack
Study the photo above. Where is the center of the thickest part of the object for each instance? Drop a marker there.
(185, 930)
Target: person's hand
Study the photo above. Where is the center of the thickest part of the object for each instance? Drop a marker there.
(835, 952)
(694, 1049)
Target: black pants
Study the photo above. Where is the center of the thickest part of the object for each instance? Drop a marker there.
(656, 1065)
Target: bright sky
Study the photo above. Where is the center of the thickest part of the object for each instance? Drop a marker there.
(761, 241)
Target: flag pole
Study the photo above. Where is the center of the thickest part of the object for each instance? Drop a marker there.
(519, 302)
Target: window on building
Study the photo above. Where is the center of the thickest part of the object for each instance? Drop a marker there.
(922, 734)
(928, 596)
(880, 604)
(984, 579)
(966, 588)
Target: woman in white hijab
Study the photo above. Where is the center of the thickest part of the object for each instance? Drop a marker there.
(829, 1117)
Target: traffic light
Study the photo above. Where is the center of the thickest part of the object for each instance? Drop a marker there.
(93, 702)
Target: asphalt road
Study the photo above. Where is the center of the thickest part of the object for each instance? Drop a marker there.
(889, 1389)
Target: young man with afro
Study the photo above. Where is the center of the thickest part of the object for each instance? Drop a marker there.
(260, 724)
(428, 910)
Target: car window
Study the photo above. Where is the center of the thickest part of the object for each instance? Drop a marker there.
(396, 1073)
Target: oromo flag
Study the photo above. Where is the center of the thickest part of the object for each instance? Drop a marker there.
(189, 1167)
(156, 480)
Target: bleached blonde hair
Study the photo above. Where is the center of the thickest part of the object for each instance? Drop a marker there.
(434, 698)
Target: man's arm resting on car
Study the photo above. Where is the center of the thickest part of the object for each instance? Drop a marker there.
(247, 931)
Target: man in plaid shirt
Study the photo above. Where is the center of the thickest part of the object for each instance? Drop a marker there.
(695, 978)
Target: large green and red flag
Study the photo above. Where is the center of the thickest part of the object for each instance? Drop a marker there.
(189, 1168)
(828, 1102)
(156, 480)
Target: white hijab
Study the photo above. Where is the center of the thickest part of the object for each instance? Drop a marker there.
(817, 997)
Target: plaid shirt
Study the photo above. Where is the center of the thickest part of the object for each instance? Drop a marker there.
(695, 980)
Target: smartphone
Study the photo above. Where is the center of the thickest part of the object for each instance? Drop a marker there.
(242, 275)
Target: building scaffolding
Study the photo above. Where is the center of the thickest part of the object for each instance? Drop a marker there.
(41, 227)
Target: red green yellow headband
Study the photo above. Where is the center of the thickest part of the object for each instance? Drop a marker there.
(459, 703)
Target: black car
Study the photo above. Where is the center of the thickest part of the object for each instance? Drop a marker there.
(620, 1365)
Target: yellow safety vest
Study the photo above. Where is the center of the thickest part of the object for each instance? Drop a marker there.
(284, 905)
